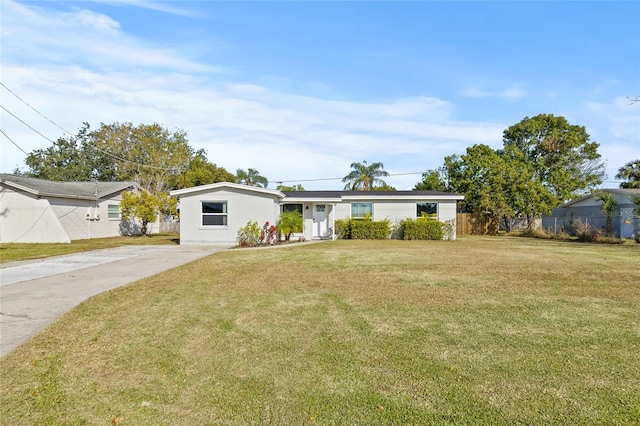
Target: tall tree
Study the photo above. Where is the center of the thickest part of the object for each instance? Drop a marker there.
(564, 160)
(432, 180)
(500, 183)
(630, 172)
(251, 177)
(364, 176)
(296, 187)
(202, 172)
(67, 160)
(147, 153)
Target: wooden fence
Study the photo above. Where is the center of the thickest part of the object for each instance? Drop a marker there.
(473, 224)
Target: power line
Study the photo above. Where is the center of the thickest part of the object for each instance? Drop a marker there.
(38, 112)
(11, 140)
(340, 178)
(26, 124)
(66, 131)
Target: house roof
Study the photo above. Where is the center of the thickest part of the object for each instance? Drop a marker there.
(323, 196)
(624, 192)
(337, 196)
(219, 185)
(77, 190)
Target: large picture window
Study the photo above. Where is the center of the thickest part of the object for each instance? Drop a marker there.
(427, 210)
(361, 210)
(292, 208)
(214, 213)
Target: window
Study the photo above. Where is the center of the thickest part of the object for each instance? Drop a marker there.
(292, 208)
(113, 211)
(427, 210)
(214, 213)
(361, 210)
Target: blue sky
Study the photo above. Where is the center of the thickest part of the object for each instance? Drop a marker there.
(299, 90)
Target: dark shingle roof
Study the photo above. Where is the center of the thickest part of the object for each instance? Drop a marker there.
(85, 190)
(363, 194)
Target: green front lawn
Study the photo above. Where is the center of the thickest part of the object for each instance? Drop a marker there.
(477, 331)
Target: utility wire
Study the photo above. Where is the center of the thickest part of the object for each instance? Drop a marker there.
(66, 131)
(26, 124)
(38, 112)
(11, 140)
(340, 178)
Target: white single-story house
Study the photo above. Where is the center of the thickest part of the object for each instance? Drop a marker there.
(587, 211)
(43, 211)
(213, 214)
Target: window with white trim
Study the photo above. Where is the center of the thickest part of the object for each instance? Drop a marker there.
(361, 210)
(292, 208)
(427, 210)
(113, 211)
(214, 213)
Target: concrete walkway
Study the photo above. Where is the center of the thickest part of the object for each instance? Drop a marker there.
(33, 294)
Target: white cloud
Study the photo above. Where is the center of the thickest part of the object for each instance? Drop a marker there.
(510, 93)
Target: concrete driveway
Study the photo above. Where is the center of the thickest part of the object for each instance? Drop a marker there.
(33, 294)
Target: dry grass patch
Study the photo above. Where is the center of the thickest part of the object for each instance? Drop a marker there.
(22, 251)
(477, 331)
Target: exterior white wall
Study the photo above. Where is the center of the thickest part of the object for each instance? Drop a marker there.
(242, 207)
(394, 210)
(26, 219)
(83, 219)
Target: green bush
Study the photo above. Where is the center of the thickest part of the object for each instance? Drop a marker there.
(249, 235)
(421, 229)
(289, 223)
(362, 229)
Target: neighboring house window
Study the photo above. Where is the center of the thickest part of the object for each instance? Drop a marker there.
(113, 211)
(361, 210)
(292, 208)
(214, 213)
(427, 210)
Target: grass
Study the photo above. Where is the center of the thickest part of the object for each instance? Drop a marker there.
(10, 252)
(477, 331)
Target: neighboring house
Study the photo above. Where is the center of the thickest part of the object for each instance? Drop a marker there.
(213, 214)
(43, 211)
(587, 211)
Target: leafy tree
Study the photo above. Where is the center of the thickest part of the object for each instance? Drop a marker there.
(500, 183)
(142, 206)
(630, 172)
(564, 160)
(609, 207)
(296, 187)
(364, 177)
(67, 160)
(251, 177)
(202, 172)
(290, 222)
(383, 187)
(432, 180)
(147, 153)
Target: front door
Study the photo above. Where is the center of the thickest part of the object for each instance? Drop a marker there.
(320, 213)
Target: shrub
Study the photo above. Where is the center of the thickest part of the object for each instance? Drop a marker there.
(249, 235)
(421, 229)
(289, 223)
(362, 229)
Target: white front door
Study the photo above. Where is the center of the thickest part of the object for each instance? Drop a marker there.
(320, 213)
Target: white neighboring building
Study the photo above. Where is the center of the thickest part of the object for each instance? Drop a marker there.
(42, 211)
(213, 214)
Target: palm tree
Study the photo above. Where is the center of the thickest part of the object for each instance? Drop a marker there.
(630, 172)
(251, 177)
(364, 177)
(609, 207)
